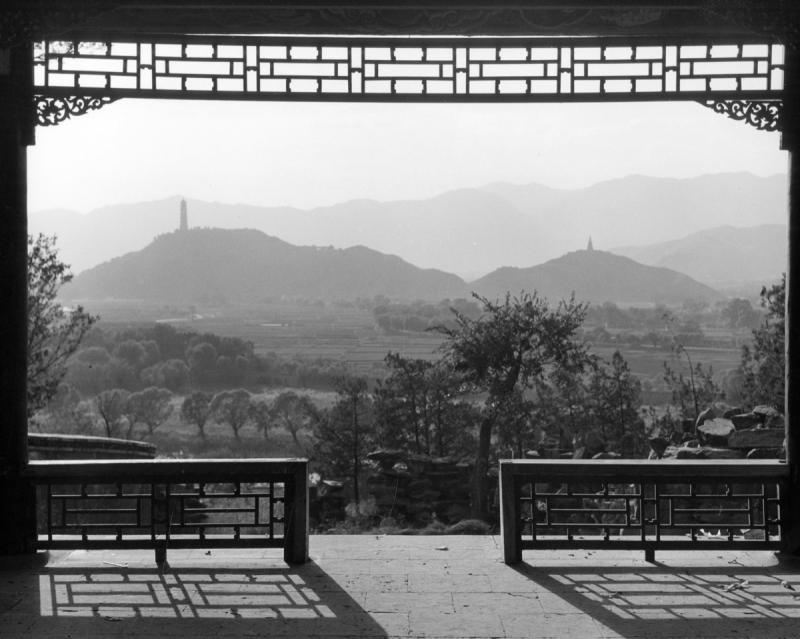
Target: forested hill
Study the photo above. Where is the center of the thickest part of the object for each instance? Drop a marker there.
(596, 276)
(204, 264)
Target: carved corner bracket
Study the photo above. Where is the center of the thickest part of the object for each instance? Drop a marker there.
(54, 110)
(765, 115)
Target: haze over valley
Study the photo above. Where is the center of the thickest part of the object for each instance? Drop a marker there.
(674, 223)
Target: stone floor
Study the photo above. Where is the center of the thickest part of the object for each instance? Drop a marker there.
(383, 586)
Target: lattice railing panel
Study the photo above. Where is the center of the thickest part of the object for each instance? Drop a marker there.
(730, 510)
(420, 69)
(205, 512)
(641, 504)
(163, 504)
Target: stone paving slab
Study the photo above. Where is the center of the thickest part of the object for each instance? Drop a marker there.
(390, 587)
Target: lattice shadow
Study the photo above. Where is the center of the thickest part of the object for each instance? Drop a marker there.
(650, 601)
(302, 601)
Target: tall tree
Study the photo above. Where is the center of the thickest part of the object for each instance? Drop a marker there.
(451, 417)
(196, 409)
(345, 432)
(417, 407)
(172, 374)
(516, 424)
(202, 360)
(740, 314)
(111, 406)
(563, 406)
(232, 408)
(504, 352)
(763, 365)
(152, 406)
(694, 390)
(132, 353)
(293, 412)
(617, 398)
(402, 403)
(260, 415)
(54, 332)
(66, 413)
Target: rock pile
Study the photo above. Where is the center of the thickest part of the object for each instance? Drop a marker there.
(326, 500)
(418, 488)
(730, 433)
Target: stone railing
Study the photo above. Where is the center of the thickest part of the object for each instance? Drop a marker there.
(161, 504)
(646, 505)
(58, 446)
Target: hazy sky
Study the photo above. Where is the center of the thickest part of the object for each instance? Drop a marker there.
(305, 155)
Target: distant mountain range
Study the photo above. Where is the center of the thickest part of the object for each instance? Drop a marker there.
(470, 231)
(596, 276)
(243, 265)
(721, 256)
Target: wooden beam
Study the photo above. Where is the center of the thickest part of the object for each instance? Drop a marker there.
(376, 17)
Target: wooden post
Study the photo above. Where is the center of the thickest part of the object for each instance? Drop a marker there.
(509, 515)
(790, 513)
(295, 549)
(17, 499)
(161, 556)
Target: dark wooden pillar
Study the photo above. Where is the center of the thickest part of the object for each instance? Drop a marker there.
(295, 550)
(789, 141)
(17, 514)
(509, 514)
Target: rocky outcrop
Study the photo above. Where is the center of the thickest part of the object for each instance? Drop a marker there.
(745, 421)
(715, 432)
(326, 500)
(757, 438)
(419, 488)
(729, 433)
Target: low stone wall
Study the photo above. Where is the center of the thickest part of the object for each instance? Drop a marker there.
(52, 446)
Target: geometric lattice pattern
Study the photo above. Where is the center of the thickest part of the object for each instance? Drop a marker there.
(419, 69)
(161, 504)
(671, 513)
(220, 595)
(182, 515)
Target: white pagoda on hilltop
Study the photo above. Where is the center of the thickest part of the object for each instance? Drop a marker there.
(184, 224)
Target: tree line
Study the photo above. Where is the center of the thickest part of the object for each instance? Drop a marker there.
(606, 324)
(163, 356)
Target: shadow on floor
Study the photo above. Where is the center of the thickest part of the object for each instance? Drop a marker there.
(665, 601)
(192, 602)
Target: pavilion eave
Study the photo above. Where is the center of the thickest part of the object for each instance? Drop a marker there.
(665, 18)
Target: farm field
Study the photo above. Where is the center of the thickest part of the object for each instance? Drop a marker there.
(348, 333)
